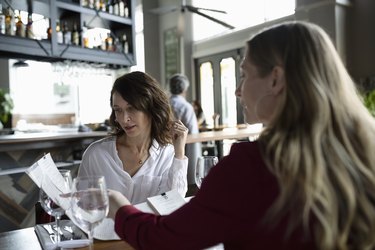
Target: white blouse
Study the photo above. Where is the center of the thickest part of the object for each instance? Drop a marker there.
(161, 172)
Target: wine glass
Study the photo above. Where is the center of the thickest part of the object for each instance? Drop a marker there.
(203, 166)
(51, 205)
(89, 203)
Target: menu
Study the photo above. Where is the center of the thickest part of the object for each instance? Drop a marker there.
(46, 175)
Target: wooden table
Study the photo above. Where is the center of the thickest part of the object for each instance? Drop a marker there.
(237, 133)
(218, 135)
(26, 239)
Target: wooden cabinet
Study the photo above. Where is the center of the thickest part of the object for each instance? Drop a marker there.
(70, 12)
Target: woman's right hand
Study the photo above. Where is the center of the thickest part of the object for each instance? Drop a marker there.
(179, 136)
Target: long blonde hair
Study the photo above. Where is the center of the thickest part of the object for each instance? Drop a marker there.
(320, 145)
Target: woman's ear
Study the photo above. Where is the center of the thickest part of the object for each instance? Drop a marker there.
(278, 78)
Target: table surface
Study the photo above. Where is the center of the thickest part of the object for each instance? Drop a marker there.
(226, 133)
(26, 239)
(208, 135)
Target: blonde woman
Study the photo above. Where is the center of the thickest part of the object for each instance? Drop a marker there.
(309, 180)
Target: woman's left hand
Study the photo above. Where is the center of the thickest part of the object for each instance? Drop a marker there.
(179, 135)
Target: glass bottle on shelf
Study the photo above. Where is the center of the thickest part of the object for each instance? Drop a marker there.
(85, 40)
(110, 6)
(125, 44)
(29, 26)
(59, 34)
(116, 10)
(121, 7)
(97, 5)
(67, 34)
(126, 9)
(49, 31)
(91, 4)
(109, 42)
(2, 20)
(9, 22)
(84, 3)
(103, 5)
(75, 35)
(20, 27)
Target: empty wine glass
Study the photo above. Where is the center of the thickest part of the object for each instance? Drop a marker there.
(50, 204)
(203, 166)
(89, 203)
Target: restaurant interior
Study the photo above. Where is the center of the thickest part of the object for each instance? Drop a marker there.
(59, 87)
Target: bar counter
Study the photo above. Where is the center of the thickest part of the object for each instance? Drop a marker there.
(24, 141)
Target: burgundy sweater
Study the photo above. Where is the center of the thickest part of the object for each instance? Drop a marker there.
(228, 209)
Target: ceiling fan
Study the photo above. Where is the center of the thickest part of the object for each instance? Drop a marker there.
(197, 10)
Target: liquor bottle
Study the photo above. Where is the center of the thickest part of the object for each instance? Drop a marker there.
(2, 20)
(116, 9)
(59, 34)
(75, 35)
(97, 5)
(126, 9)
(109, 42)
(9, 22)
(110, 6)
(121, 7)
(85, 40)
(84, 3)
(91, 4)
(29, 26)
(67, 34)
(103, 5)
(125, 44)
(20, 27)
(49, 31)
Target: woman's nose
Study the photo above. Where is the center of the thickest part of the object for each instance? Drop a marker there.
(126, 117)
(237, 92)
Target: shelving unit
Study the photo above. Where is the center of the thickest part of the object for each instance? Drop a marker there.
(70, 11)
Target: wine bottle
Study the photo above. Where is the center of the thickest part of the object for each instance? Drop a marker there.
(75, 35)
(20, 27)
(121, 7)
(49, 31)
(2, 20)
(60, 37)
(29, 26)
(9, 22)
(67, 34)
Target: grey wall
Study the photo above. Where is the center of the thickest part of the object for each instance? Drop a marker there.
(152, 39)
(361, 40)
(4, 74)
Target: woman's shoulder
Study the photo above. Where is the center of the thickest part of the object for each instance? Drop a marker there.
(245, 148)
(245, 152)
(104, 143)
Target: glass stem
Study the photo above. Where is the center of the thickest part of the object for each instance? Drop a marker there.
(91, 237)
(57, 221)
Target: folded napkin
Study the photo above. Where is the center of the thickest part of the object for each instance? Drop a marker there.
(73, 237)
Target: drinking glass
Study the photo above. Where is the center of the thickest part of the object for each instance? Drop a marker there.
(89, 203)
(203, 166)
(50, 206)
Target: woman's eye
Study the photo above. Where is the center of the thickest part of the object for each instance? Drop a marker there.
(117, 111)
(130, 109)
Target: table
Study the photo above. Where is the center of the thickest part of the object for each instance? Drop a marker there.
(218, 136)
(226, 133)
(26, 239)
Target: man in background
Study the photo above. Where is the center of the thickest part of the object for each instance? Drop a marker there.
(184, 111)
